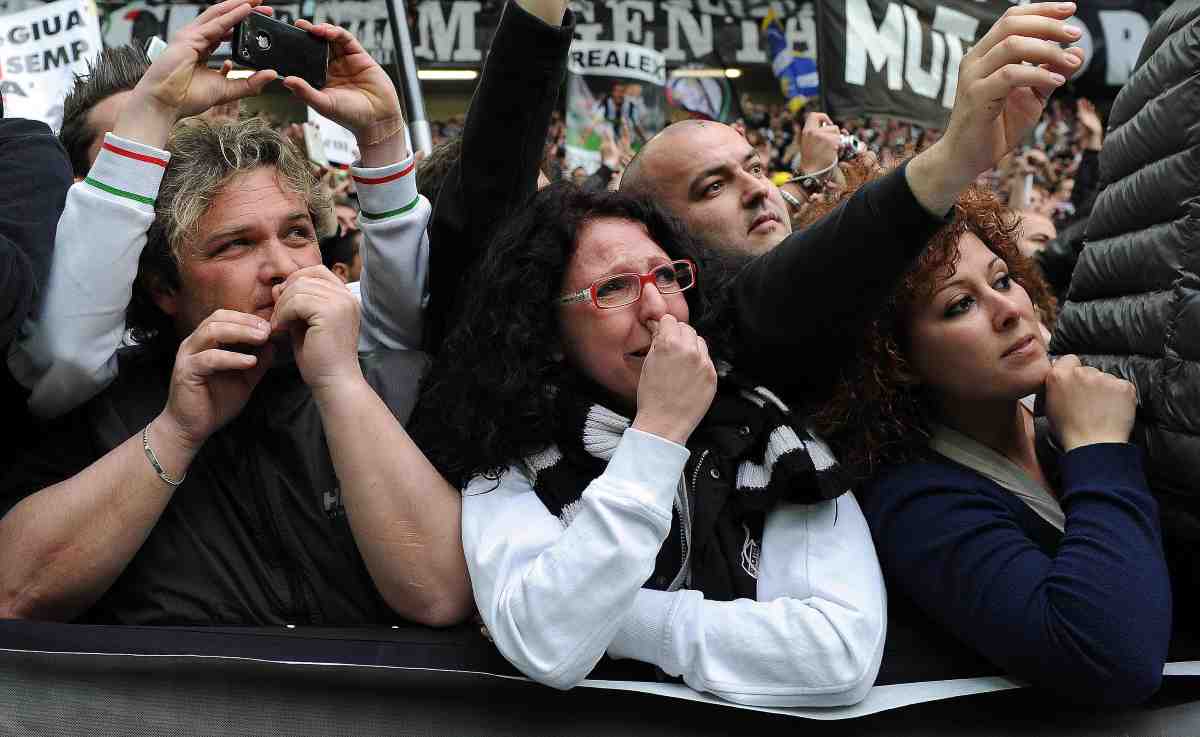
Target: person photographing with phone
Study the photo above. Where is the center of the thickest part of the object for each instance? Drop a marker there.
(248, 464)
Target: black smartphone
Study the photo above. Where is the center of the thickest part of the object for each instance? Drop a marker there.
(261, 42)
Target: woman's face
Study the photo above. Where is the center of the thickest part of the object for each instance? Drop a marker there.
(978, 336)
(609, 346)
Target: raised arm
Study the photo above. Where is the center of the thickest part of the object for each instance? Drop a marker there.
(69, 351)
(503, 143)
(834, 275)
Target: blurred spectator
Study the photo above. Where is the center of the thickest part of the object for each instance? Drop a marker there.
(341, 254)
(1037, 230)
(93, 104)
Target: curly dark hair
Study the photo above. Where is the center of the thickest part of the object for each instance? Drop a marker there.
(878, 416)
(487, 401)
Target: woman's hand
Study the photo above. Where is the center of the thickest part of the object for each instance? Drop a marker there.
(1087, 406)
(678, 382)
(358, 95)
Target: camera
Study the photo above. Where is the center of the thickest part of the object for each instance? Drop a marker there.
(850, 147)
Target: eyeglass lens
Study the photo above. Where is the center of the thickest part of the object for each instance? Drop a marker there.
(623, 289)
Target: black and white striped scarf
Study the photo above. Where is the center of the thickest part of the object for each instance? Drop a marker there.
(749, 437)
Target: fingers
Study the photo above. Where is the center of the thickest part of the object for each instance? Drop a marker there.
(227, 327)
(215, 29)
(1018, 49)
(220, 8)
(305, 293)
(236, 89)
(1067, 362)
(1007, 78)
(312, 97)
(817, 120)
(214, 360)
(1037, 20)
(342, 42)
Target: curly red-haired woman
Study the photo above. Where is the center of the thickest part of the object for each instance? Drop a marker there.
(1034, 541)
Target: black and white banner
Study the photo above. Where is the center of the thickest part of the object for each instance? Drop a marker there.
(900, 58)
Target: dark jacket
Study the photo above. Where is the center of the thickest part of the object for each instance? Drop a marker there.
(1134, 302)
(257, 534)
(34, 179)
(504, 139)
(1086, 614)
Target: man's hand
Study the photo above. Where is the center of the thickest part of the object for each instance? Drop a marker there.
(819, 143)
(1000, 98)
(358, 95)
(322, 316)
(210, 383)
(179, 82)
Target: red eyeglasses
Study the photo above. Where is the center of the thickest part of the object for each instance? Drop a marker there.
(619, 290)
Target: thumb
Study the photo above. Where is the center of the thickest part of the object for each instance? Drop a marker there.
(300, 87)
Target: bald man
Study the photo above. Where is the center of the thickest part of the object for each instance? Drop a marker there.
(801, 301)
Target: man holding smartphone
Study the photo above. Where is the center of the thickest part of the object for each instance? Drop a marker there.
(248, 465)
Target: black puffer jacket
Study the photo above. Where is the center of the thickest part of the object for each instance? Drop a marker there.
(1134, 304)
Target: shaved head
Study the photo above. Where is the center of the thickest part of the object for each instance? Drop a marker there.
(639, 177)
(708, 175)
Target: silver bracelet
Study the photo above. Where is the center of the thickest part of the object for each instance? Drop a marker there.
(154, 460)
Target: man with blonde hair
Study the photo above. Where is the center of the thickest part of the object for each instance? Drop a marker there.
(248, 465)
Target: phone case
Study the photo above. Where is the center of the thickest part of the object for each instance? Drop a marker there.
(262, 42)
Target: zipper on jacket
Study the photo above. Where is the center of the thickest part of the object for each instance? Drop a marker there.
(684, 578)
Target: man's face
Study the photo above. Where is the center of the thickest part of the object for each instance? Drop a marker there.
(253, 236)
(713, 179)
(102, 118)
(1037, 231)
(618, 92)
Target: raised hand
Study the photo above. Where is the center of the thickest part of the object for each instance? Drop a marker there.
(322, 317)
(677, 384)
(819, 143)
(179, 83)
(1086, 405)
(1092, 130)
(211, 383)
(1000, 96)
(999, 100)
(358, 95)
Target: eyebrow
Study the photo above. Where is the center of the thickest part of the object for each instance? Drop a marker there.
(722, 168)
(953, 282)
(240, 229)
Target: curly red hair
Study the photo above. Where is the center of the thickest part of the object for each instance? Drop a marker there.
(877, 415)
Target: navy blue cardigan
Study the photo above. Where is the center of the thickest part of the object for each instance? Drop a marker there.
(1086, 613)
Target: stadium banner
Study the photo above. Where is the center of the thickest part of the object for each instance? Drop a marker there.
(613, 91)
(900, 58)
(457, 33)
(41, 51)
(897, 59)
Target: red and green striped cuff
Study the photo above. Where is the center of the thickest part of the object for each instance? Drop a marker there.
(127, 169)
(119, 192)
(387, 191)
(389, 213)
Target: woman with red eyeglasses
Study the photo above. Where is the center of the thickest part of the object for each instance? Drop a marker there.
(626, 493)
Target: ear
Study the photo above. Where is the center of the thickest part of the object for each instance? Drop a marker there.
(165, 298)
(341, 270)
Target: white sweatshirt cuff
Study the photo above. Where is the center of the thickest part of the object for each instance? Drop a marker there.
(386, 191)
(129, 170)
(645, 470)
